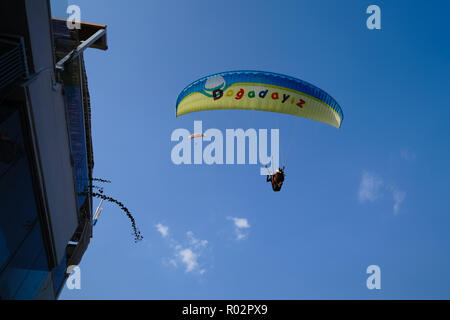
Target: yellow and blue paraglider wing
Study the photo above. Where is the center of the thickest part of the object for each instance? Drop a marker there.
(257, 90)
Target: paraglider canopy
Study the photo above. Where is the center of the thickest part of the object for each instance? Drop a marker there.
(263, 91)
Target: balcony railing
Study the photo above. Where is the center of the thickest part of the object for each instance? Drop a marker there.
(13, 63)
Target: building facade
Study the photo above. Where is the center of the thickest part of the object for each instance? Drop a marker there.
(46, 150)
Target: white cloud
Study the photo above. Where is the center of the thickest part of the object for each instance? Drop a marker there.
(186, 253)
(189, 258)
(240, 235)
(398, 196)
(369, 188)
(240, 224)
(194, 241)
(164, 230)
(372, 187)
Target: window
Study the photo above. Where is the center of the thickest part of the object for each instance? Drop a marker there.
(23, 262)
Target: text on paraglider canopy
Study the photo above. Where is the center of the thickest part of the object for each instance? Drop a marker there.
(261, 94)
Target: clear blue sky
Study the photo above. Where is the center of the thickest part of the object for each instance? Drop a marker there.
(374, 192)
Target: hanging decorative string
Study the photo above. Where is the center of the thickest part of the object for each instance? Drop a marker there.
(137, 234)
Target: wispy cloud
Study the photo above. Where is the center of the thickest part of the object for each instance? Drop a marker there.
(372, 187)
(196, 243)
(186, 253)
(398, 196)
(241, 227)
(369, 188)
(173, 262)
(164, 230)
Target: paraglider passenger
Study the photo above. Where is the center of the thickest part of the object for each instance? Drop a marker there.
(276, 179)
